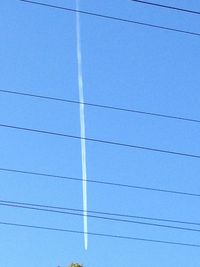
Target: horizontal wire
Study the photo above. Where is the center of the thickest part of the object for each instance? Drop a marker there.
(100, 106)
(101, 182)
(99, 234)
(52, 209)
(96, 233)
(103, 213)
(168, 7)
(107, 142)
(101, 217)
(112, 18)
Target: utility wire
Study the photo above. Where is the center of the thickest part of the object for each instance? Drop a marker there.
(99, 234)
(69, 101)
(100, 141)
(54, 176)
(59, 210)
(168, 7)
(113, 18)
(101, 217)
(102, 213)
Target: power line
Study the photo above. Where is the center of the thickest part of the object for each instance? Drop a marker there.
(102, 182)
(74, 213)
(112, 18)
(103, 213)
(101, 141)
(168, 7)
(99, 234)
(101, 217)
(100, 106)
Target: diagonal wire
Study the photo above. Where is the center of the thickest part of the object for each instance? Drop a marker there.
(107, 142)
(101, 182)
(73, 212)
(113, 18)
(69, 101)
(99, 234)
(102, 218)
(166, 6)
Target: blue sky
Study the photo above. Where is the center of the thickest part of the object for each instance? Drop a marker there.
(123, 65)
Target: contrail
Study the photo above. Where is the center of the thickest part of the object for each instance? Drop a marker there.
(82, 125)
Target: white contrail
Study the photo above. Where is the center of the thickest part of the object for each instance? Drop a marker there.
(82, 125)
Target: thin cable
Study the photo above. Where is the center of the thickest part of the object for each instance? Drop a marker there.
(100, 234)
(54, 176)
(168, 7)
(101, 106)
(103, 213)
(100, 141)
(53, 210)
(112, 18)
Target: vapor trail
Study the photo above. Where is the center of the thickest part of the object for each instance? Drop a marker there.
(82, 125)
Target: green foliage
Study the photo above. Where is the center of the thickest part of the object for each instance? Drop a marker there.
(75, 265)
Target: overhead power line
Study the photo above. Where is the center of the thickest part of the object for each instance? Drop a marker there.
(69, 101)
(99, 234)
(107, 142)
(73, 212)
(101, 182)
(168, 7)
(103, 213)
(100, 217)
(113, 18)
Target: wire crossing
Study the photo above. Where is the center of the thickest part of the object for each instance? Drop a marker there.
(107, 142)
(168, 7)
(28, 226)
(114, 18)
(115, 108)
(101, 182)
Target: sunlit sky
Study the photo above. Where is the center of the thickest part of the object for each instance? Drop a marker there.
(124, 65)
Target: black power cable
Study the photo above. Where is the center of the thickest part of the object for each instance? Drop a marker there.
(51, 209)
(107, 142)
(69, 101)
(101, 213)
(101, 182)
(168, 7)
(99, 234)
(113, 18)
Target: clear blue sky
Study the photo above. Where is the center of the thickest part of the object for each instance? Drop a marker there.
(124, 65)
